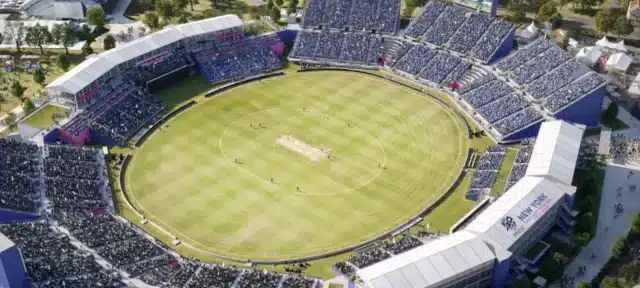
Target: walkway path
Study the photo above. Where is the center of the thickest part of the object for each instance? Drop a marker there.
(608, 228)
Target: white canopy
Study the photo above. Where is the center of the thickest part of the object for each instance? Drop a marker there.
(604, 42)
(619, 61)
(635, 86)
(529, 32)
(589, 55)
(620, 46)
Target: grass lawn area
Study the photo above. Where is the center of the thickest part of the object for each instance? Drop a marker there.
(26, 79)
(43, 117)
(503, 171)
(587, 201)
(260, 184)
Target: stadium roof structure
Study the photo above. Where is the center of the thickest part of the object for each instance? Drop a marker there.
(555, 152)
(429, 264)
(522, 206)
(96, 65)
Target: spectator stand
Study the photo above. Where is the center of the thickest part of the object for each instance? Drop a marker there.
(336, 48)
(377, 16)
(485, 174)
(20, 188)
(520, 163)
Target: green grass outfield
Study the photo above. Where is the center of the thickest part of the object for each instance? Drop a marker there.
(206, 176)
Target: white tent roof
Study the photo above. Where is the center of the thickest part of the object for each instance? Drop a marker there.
(620, 46)
(635, 86)
(522, 205)
(555, 152)
(93, 67)
(619, 61)
(529, 32)
(430, 263)
(589, 55)
(604, 42)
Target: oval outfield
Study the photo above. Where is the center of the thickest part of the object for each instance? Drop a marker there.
(297, 165)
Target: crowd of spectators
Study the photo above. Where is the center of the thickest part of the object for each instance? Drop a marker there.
(502, 107)
(239, 62)
(573, 91)
(344, 268)
(368, 257)
(50, 259)
(405, 243)
(520, 163)
(623, 147)
(338, 46)
(446, 25)
(486, 171)
(379, 15)
(439, 67)
(486, 93)
(18, 177)
(469, 33)
(124, 117)
(561, 76)
(540, 65)
(429, 14)
(456, 73)
(214, 276)
(491, 40)
(517, 121)
(415, 59)
(476, 83)
(256, 279)
(149, 71)
(521, 56)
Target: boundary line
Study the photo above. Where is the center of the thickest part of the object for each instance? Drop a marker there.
(444, 196)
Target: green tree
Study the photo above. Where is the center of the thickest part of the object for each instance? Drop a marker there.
(192, 2)
(164, 8)
(179, 5)
(109, 42)
(618, 248)
(584, 284)
(96, 17)
(556, 20)
(38, 36)
(86, 48)
(152, 20)
(635, 224)
(605, 20)
(62, 60)
(17, 90)
(610, 114)
(83, 33)
(38, 76)
(622, 26)
(610, 282)
(629, 272)
(293, 5)
(27, 106)
(275, 14)
(15, 31)
(9, 119)
(64, 34)
(269, 5)
(547, 10)
(254, 12)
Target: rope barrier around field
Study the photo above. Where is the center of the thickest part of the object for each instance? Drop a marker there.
(409, 223)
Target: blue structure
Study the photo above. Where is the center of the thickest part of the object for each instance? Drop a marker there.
(586, 110)
(12, 269)
(505, 47)
(527, 132)
(16, 216)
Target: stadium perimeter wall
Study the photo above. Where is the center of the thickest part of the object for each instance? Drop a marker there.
(424, 212)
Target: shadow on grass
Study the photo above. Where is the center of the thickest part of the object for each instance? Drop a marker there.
(184, 91)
